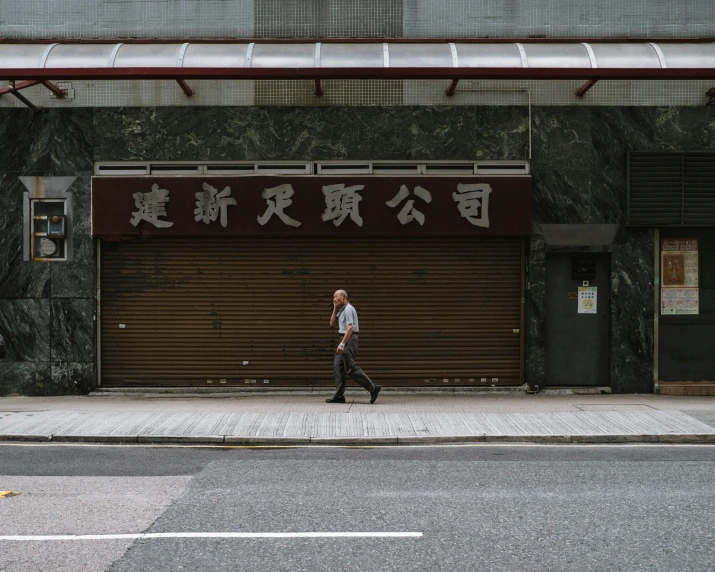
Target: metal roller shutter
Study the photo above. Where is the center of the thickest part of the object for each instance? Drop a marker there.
(241, 311)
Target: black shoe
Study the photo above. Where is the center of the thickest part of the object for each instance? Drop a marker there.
(373, 394)
(335, 399)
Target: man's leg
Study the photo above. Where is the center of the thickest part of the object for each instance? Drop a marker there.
(353, 369)
(339, 367)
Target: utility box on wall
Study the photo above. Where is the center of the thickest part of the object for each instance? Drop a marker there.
(48, 219)
(49, 229)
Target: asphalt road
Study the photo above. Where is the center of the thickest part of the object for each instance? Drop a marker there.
(478, 508)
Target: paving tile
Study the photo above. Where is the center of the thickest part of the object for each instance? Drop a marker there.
(403, 416)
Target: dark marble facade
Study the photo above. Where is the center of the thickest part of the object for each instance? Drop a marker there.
(47, 311)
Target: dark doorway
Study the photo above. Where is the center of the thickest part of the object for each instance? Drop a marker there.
(686, 340)
(577, 344)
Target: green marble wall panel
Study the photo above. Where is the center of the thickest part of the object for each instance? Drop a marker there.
(26, 326)
(443, 133)
(536, 310)
(60, 142)
(25, 378)
(561, 195)
(14, 127)
(81, 191)
(632, 312)
(310, 133)
(608, 197)
(502, 133)
(72, 329)
(167, 134)
(46, 309)
(562, 138)
(71, 378)
(371, 133)
(75, 278)
(18, 279)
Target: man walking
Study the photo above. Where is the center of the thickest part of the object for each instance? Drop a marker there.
(344, 360)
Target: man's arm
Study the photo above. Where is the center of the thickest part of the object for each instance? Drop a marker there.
(346, 338)
(334, 317)
(348, 334)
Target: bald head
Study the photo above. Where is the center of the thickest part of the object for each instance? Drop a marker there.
(340, 298)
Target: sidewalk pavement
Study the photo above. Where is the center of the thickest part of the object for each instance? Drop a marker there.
(396, 418)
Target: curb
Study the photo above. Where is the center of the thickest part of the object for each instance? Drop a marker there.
(604, 439)
(275, 441)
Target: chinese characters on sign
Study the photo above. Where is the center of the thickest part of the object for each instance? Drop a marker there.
(281, 196)
(679, 292)
(209, 203)
(473, 203)
(151, 206)
(409, 212)
(341, 202)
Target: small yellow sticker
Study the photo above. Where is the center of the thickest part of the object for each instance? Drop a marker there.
(5, 494)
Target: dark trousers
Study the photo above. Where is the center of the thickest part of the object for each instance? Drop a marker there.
(344, 365)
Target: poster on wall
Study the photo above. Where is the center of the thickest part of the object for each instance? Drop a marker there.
(587, 300)
(679, 301)
(679, 264)
(679, 293)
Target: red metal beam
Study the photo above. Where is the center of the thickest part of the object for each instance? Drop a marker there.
(337, 40)
(13, 91)
(319, 88)
(581, 91)
(452, 88)
(23, 84)
(185, 87)
(447, 73)
(18, 86)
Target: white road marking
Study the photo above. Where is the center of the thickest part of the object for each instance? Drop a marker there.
(140, 536)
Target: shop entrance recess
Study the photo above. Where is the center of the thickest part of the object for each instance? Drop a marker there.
(577, 319)
(228, 280)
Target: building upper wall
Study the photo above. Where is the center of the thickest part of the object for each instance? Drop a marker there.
(191, 19)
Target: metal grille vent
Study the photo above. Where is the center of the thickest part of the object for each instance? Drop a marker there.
(199, 168)
(671, 189)
(699, 189)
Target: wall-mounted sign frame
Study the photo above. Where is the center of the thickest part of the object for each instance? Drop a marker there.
(311, 205)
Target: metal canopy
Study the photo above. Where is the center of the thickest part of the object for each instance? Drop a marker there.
(355, 60)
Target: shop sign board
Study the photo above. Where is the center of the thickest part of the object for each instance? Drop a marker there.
(311, 206)
(679, 292)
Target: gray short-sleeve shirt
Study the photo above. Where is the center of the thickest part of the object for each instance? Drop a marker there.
(347, 315)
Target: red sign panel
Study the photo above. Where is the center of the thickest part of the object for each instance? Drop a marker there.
(311, 206)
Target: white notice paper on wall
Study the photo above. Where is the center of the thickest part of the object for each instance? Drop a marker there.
(678, 301)
(587, 299)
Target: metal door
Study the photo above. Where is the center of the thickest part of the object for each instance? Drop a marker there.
(181, 311)
(577, 342)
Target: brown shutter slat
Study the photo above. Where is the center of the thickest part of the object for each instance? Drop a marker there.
(430, 309)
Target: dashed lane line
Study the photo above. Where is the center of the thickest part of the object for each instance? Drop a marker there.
(163, 535)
